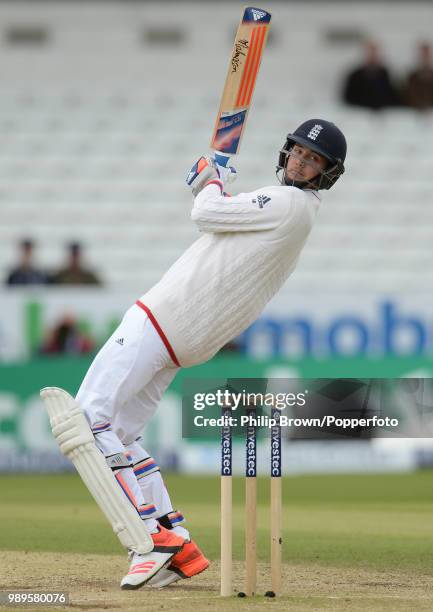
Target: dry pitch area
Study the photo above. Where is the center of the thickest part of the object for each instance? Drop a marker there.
(92, 582)
(351, 543)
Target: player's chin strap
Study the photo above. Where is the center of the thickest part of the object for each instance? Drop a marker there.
(281, 174)
(325, 179)
(282, 179)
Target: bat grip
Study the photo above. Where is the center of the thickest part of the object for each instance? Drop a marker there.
(221, 160)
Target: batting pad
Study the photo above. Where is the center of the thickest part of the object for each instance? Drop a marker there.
(76, 442)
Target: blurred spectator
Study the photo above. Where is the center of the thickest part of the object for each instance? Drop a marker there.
(74, 273)
(418, 87)
(369, 85)
(25, 273)
(67, 338)
(232, 347)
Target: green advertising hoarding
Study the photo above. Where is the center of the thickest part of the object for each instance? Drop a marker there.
(24, 425)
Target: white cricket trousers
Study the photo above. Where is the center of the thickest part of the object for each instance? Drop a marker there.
(127, 378)
(118, 395)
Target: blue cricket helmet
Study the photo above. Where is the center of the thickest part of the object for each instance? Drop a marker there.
(326, 139)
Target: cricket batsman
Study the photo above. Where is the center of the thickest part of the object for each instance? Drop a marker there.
(249, 246)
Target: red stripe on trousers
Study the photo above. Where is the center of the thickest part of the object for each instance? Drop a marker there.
(160, 332)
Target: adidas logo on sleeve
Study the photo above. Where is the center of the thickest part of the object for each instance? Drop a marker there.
(261, 200)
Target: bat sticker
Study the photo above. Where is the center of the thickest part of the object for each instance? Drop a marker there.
(229, 131)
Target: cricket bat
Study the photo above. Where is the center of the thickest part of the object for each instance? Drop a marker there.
(240, 81)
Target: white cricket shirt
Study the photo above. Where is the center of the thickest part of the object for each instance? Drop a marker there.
(250, 245)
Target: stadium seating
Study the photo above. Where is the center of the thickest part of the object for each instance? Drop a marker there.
(98, 133)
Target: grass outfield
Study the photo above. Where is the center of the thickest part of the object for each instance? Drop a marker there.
(364, 541)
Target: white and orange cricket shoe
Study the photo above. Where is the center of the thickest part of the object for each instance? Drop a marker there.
(187, 563)
(166, 544)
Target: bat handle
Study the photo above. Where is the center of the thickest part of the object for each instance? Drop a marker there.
(221, 159)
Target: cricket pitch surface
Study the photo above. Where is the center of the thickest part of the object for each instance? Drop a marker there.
(92, 584)
(350, 542)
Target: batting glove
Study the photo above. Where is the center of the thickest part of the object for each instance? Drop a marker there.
(206, 169)
(227, 174)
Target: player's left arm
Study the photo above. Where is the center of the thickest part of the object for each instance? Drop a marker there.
(260, 210)
(214, 211)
